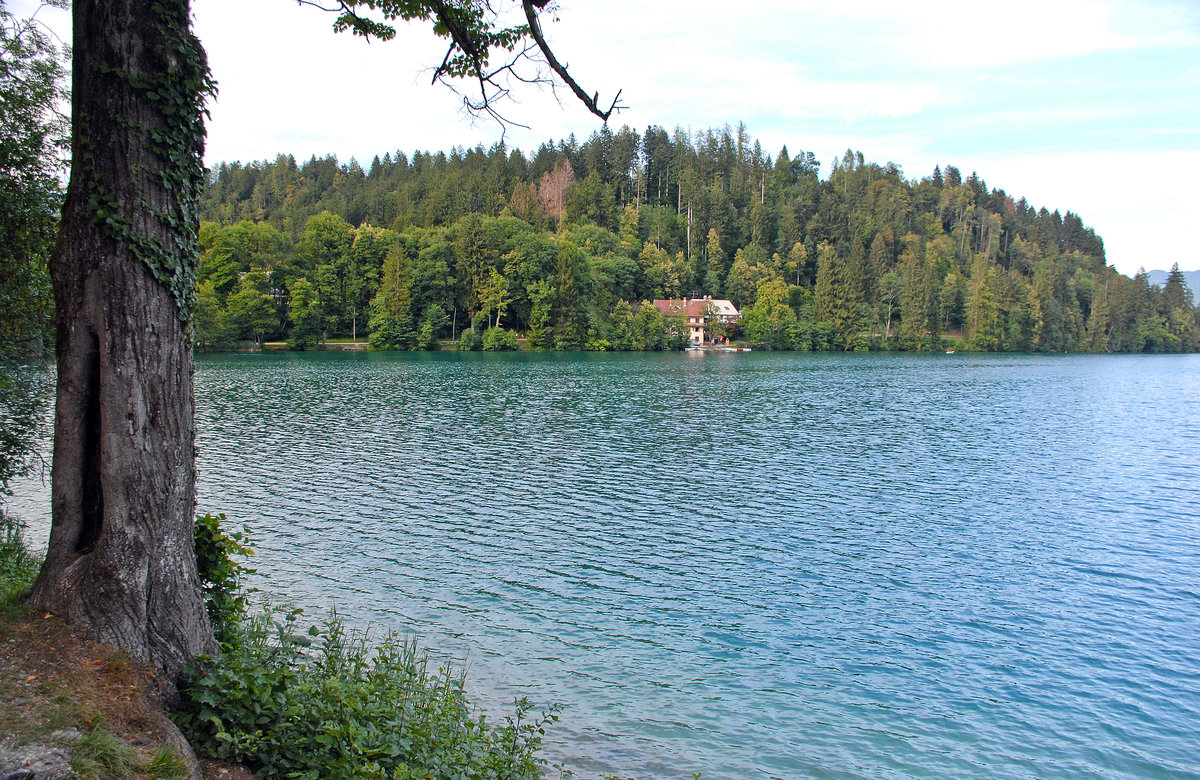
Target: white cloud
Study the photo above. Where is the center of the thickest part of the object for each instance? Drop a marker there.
(718, 92)
(915, 83)
(953, 34)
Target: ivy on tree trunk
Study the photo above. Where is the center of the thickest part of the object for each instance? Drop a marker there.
(120, 559)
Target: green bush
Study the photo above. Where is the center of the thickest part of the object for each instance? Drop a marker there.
(499, 340)
(221, 575)
(391, 333)
(328, 704)
(470, 341)
(301, 343)
(598, 345)
(325, 703)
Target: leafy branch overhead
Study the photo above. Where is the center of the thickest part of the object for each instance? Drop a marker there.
(486, 47)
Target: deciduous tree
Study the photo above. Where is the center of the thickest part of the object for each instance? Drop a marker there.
(251, 310)
(120, 558)
(771, 322)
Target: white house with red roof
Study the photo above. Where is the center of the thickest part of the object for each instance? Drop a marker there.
(697, 313)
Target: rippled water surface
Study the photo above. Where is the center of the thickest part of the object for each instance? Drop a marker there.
(753, 565)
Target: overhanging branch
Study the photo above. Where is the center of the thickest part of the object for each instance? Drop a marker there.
(535, 29)
(474, 33)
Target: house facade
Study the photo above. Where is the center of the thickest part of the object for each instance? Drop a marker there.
(696, 313)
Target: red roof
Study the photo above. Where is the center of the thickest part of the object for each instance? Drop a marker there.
(686, 307)
(696, 307)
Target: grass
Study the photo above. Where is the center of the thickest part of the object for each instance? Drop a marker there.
(17, 566)
(54, 684)
(102, 755)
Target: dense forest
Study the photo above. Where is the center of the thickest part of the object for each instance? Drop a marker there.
(565, 247)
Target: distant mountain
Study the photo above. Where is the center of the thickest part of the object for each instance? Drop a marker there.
(1192, 277)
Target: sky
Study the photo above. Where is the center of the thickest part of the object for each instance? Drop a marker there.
(1088, 106)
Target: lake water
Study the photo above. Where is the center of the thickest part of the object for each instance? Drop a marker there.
(753, 565)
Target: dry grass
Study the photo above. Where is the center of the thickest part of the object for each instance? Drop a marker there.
(53, 680)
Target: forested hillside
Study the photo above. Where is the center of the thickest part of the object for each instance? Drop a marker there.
(563, 246)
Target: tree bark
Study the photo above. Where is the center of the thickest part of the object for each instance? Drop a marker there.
(121, 560)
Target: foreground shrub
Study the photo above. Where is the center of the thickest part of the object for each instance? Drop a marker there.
(326, 703)
(222, 575)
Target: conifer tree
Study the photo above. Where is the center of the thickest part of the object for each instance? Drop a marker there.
(391, 308)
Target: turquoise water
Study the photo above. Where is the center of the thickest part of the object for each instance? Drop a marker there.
(755, 565)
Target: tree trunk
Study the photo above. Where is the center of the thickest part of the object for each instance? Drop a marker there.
(121, 562)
